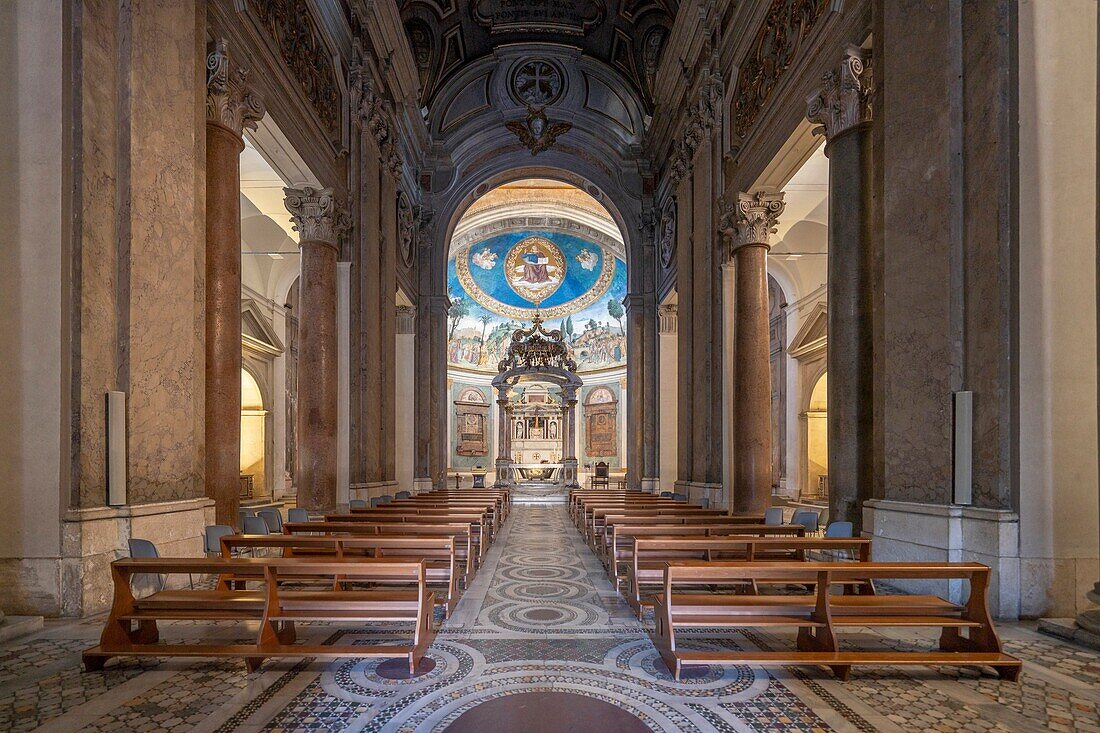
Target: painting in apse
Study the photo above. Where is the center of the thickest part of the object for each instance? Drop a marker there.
(495, 286)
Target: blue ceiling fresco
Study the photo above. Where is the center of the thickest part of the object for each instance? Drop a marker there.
(496, 285)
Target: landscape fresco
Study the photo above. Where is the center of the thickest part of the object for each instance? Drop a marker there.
(584, 287)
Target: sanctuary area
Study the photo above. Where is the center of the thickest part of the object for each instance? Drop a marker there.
(555, 366)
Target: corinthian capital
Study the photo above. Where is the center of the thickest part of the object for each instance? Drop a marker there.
(230, 99)
(844, 99)
(752, 220)
(316, 215)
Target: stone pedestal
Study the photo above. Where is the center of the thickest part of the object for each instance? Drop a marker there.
(230, 106)
(749, 224)
(842, 108)
(318, 222)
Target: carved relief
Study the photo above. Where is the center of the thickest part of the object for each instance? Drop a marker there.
(652, 45)
(539, 16)
(290, 24)
(601, 423)
(787, 24)
(537, 83)
(666, 233)
(536, 132)
(844, 99)
(230, 100)
(420, 41)
(406, 229)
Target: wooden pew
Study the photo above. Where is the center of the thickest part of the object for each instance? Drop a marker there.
(620, 544)
(439, 554)
(652, 554)
(465, 543)
(480, 525)
(598, 518)
(131, 628)
(502, 500)
(818, 617)
(490, 508)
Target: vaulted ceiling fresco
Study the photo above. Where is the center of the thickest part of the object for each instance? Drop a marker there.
(504, 268)
(628, 35)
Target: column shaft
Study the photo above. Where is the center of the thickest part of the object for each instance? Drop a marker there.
(318, 387)
(752, 379)
(850, 354)
(223, 320)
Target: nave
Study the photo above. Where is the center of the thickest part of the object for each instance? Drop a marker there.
(541, 620)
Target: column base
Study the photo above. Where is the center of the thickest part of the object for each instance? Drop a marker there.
(715, 494)
(504, 474)
(421, 483)
(909, 531)
(651, 485)
(569, 468)
(372, 489)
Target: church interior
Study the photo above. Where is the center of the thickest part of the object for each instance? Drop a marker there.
(550, 365)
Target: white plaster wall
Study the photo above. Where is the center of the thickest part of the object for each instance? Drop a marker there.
(1058, 426)
(33, 278)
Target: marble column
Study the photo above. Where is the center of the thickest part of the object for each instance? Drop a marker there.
(569, 441)
(749, 224)
(842, 108)
(318, 221)
(231, 106)
(504, 432)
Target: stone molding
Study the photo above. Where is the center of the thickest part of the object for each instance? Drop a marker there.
(703, 116)
(230, 100)
(315, 214)
(667, 319)
(844, 100)
(369, 110)
(406, 319)
(752, 220)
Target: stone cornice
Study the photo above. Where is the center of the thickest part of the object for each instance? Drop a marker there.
(751, 221)
(844, 100)
(316, 215)
(230, 99)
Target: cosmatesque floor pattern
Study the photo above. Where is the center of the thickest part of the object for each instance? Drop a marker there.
(541, 617)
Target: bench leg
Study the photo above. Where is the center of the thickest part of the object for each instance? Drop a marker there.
(822, 640)
(663, 639)
(253, 663)
(94, 662)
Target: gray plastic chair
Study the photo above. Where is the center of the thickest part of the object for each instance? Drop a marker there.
(212, 538)
(297, 514)
(665, 494)
(144, 548)
(255, 525)
(403, 495)
(358, 504)
(375, 501)
(704, 502)
(679, 497)
(385, 498)
(773, 516)
(241, 514)
(274, 519)
(839, 529)
(807, 519)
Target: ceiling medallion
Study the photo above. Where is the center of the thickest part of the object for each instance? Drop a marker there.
(537, 83)
(536, 132)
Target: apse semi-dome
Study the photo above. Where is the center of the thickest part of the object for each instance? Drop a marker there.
(497, 284)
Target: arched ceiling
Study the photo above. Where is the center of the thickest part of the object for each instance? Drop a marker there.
(627, 35)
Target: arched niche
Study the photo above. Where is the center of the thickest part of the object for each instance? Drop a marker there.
(256, 439)
(815, 425)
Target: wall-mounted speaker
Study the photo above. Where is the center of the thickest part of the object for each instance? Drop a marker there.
(963, 489)
(116, 448)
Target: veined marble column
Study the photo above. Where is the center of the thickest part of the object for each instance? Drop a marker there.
(749, 224)
(842, 108)
(231, 106)
(318, 221)
(504, 432)
(569, 440)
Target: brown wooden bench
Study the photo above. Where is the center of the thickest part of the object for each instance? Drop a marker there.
(479, 522)
(651, 556)
(819, 616)
(603, 522)
(131, 628)
(439, 553)
(490, 508)
(466, 548)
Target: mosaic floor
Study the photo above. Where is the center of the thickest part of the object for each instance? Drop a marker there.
(541, 617)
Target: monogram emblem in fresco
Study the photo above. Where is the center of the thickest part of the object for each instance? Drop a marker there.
(485, 259)
(534, 268)
(537, 83)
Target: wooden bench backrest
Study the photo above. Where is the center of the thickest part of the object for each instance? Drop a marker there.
(695, 571)
(644, 546)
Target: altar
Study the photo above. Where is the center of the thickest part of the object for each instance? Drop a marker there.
(541, 472)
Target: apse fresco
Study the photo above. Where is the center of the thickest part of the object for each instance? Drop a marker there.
(496, 284)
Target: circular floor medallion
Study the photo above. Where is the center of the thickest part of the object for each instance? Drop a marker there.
(547, 712)
(398, 669)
